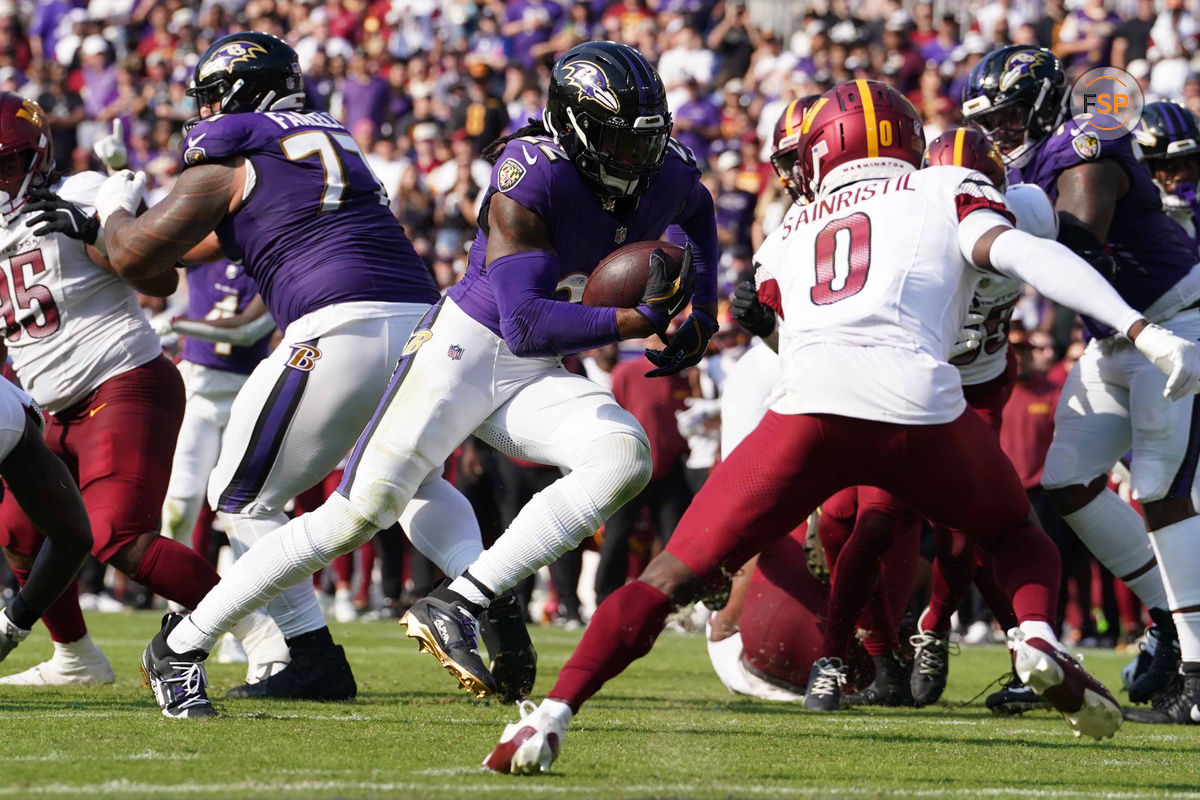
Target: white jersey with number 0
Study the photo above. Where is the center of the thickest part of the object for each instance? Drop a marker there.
(997, 295)
(871, 285)
(70, 325)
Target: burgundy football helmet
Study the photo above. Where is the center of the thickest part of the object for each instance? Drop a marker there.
(26, 155)
(858, 129)
(786, 142)
(967, 147)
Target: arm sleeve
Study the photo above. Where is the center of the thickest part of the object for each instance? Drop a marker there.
(215, 138)
(532, 322)
(241, 336)
(698, 221)
(1062, 276)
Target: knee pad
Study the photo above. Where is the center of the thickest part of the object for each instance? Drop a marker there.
(614, 470)
(337, 528)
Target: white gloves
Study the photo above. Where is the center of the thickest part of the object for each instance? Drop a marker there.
(694, 420)
(122, 191)
(111, 149)
(970, 337)
(163, 325)
(1178, 359)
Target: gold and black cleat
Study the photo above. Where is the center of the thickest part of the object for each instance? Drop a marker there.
(449, 631)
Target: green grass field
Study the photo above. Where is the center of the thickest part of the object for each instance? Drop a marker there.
(667, 728)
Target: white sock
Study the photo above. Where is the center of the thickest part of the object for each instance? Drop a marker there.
(441, 524)
(77, 648)
(557, 709)
(1178, 548)
(557, 519)
(1116, 535)
(187, 637)
(470, 591)
(277, 561)
(295, 609)
(1036, 629)
(261, 638)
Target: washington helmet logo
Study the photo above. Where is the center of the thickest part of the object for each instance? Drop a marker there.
(1019, 65)
(591, 82)
(228, 55)
(31, 111)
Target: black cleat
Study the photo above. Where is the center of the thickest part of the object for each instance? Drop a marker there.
(514, 661)
(1163, 665)
(825, 682)
(1177, 704)
(890, 687)
(1015, 698)
(177, 679)
(320, 673)
(931, 666)
(449, 631)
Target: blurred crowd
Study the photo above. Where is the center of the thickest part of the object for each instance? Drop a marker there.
(423, 85)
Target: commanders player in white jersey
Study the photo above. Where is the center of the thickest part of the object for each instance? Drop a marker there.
(82, 348)
(875, 314)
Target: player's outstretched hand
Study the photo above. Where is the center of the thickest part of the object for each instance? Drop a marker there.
(121, 192)
(970, 337)
(686, 347)
(749, 312)
(1178, 358)
(665, 296)
(52, 214)
(111, 149)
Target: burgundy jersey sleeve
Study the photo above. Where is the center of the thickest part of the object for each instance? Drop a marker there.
(976, 192)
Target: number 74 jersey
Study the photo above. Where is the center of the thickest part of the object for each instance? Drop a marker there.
(870, 285)
(313, 228)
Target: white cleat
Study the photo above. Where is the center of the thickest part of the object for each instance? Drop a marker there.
(1088, 707)
(79, 663)
(530, 746)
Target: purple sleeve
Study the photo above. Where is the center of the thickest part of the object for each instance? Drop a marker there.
(697, 221)
(532, 322)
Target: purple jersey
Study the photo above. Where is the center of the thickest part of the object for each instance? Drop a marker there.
(533, 171)
(1152, 250)
(314, 229)
(217, 291)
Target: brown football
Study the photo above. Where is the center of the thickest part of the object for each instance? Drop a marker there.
(620, 280)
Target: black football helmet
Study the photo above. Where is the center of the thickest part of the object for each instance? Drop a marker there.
(1016, 96)
(1167, 130)
(607, 109)
(248, 72)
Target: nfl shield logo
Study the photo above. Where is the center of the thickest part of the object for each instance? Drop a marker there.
(620, 234)
(455, 352)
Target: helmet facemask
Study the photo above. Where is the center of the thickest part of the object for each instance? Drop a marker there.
(619, 160)
(19, 173)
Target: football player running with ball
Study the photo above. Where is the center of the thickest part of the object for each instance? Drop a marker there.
(486, 358)
(1113, 402)
(897, 255)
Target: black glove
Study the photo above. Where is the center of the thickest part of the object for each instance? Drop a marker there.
(665, 296)
(687, 346)
(749, 312)
(60, 216)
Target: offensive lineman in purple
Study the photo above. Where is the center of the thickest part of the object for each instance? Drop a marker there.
(224, 286)
(302, 257)
(1152, 251)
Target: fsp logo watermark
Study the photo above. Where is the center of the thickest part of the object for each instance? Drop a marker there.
(1106, 102)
